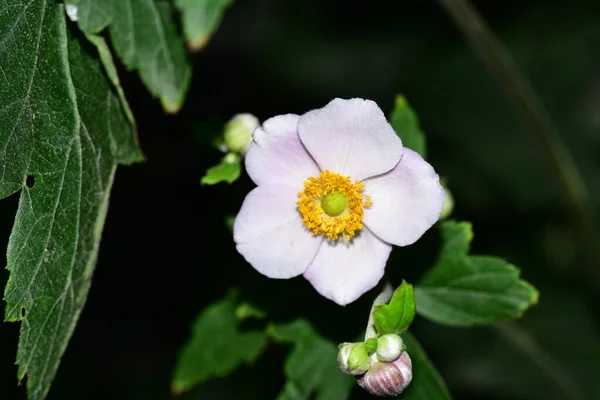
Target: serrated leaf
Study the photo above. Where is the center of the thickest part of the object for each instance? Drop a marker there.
(228, 170)
(144, 35)
(465, 290)
(62, 126)
(311, 367)
(406, 124)
(201, 19)
(427, 384)
(216, 347)
(398, 314)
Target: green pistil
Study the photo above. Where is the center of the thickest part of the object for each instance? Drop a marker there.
(334, 203)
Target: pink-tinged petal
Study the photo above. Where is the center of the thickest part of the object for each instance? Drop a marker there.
(270, 235)
(350, 137)
(407, 200)
(342, 271)
(276, 155)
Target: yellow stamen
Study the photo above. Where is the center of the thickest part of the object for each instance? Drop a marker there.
(346, 223)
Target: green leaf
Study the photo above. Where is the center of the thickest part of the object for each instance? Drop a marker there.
(247, 310)
(201, 19)
(216, 346)
(311, 367)
(406, 124)
(228, 170)
(91, 16)
(465, 290)
(63, 132)
(396, 316)
(144, 35)
(427, 384)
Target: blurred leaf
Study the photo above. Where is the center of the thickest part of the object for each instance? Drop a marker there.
(311, 367)
(64, 132)
(427, 384)
(144, 35)
(464, 290)
(406, 124)
(247, 310)
(228, 170)
(111, 71)
(216, 346)
(396, 316)
(201, 19)
(91, 16)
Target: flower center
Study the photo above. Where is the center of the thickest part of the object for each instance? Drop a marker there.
(334, 203)
(332, 206)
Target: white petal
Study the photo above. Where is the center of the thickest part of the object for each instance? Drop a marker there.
(276, 155)
(350, 137)
(270, 235)
(343, 271)
(407, 200)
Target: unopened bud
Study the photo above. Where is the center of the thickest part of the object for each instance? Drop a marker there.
(448, 204)
(238, 132)
(353, 358)
(389, 347)
(388, 378)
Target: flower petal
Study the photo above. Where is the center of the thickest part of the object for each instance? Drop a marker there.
(407, 200)
(343, 271)
(350, 137)
(270, 235)
(276, 155)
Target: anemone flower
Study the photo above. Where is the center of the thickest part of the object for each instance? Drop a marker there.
(335, 190)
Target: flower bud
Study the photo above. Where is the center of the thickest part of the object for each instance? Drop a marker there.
(238, 132)
(353, 358)
(389, 347)
(448, 204)
(388, 378)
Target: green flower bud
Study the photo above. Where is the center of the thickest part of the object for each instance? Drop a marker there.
(238, 132)
(448, 204)
(389, 347)
(353, 358)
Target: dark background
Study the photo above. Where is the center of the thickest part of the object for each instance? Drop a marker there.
(166, 252)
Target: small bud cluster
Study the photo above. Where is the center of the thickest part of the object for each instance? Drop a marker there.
(384, 369)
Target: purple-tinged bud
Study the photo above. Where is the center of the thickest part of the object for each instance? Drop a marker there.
(388, 378)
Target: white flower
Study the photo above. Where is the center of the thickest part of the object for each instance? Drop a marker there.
(335, 191)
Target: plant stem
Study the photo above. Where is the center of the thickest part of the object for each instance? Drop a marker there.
(534, 115)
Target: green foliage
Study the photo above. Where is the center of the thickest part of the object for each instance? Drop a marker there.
(465, 290)
(217, 346)
(406, 124)
(311, 367)
(427, 384)
(64, 132)
(247, 310)
(228, 170)
(396, 316)
(201, 19)
(144, 35)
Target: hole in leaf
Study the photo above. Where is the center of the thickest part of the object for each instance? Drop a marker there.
(22, 312)
(30, 181)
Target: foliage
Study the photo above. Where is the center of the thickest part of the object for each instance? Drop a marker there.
(311, 367)
(398, 314)
(64, 131)
(217, 345)
(465, 290)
